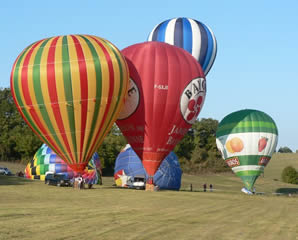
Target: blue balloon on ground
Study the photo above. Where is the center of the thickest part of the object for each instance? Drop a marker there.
(168, 175)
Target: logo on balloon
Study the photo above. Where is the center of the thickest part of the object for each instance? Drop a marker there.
(192, 99)
(131, 102)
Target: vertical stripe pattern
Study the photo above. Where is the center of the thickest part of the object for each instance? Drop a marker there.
(70, 89)
(191, 35)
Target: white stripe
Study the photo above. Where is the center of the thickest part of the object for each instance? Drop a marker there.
(196, 39)
(248, 168)
(52, 168)
(151, 34)
(250, 144)
(44, 151)
(169, 37)
(213, 52)
(47, 159)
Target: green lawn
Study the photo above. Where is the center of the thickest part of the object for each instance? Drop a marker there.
(32, 210)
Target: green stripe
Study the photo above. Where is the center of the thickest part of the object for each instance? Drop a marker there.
(249, 181)
(249, 159)
(246, 126)
(246, 121)
(120, 88)
(39, 96)
(98, 73)
(41, 159)
(68, 92)
(41, 169)
(249, 173)
(18, 95)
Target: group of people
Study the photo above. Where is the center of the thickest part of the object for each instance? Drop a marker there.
(210, 187)
(79, 182)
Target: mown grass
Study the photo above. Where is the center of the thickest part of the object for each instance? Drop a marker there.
(32, 210)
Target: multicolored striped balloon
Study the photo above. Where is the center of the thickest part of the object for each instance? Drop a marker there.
(247, 140)
(70, 89)
(191, 35)
(45, 160)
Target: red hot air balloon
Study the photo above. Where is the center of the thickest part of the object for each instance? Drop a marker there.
(165, 95)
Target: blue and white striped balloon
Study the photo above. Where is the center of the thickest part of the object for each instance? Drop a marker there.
(189, 34)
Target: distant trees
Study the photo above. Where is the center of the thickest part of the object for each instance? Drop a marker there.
(284, 150)
(17, 140)
(113, 143)
(197, 151)
(289, 175)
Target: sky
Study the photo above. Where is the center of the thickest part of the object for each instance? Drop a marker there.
(256, 65)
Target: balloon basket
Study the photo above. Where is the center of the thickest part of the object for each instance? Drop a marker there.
(149, 187)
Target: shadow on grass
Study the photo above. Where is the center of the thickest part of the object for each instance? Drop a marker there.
(287, 190)
(13, 180)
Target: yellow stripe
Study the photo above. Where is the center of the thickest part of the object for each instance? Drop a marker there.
(105, 77)
(37, 170)
(46, 94)
(76, 90)
(91, 75)
(61, 95)
(32, 92)
(19, 83)
(108, 124)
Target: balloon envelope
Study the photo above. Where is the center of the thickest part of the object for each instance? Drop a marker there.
(69, 89)
(191, 35)
(166, 93)
(45, 160)
(168, 175)
(247, 140)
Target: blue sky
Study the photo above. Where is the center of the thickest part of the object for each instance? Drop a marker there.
(256, 65)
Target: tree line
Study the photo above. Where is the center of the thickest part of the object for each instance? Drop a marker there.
(197, 151)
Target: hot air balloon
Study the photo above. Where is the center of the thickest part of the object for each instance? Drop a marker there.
(247, 140)
(69, 89)
(191, 35)
(45, 160)
(166, 93)
(128, 165)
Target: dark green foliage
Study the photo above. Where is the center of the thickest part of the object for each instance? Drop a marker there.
(17, 140)
(110, 148)
(197, 151)
(285, 150)
(289, 175)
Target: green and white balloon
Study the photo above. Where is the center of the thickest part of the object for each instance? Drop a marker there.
(247, 140)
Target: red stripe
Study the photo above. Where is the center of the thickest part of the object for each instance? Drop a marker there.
(110, 96)
(27, 97)
(84, 91)
(51, 78)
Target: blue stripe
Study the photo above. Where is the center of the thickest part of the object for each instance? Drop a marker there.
(187, 35)
(154, 34)
(178, 33)
(161, 31)
(209, 48)
(204, 42)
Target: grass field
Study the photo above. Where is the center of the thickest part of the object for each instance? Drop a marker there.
(32, 210)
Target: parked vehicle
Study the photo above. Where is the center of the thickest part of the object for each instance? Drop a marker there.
(57, 179)
(5, 171)
(138, 182)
